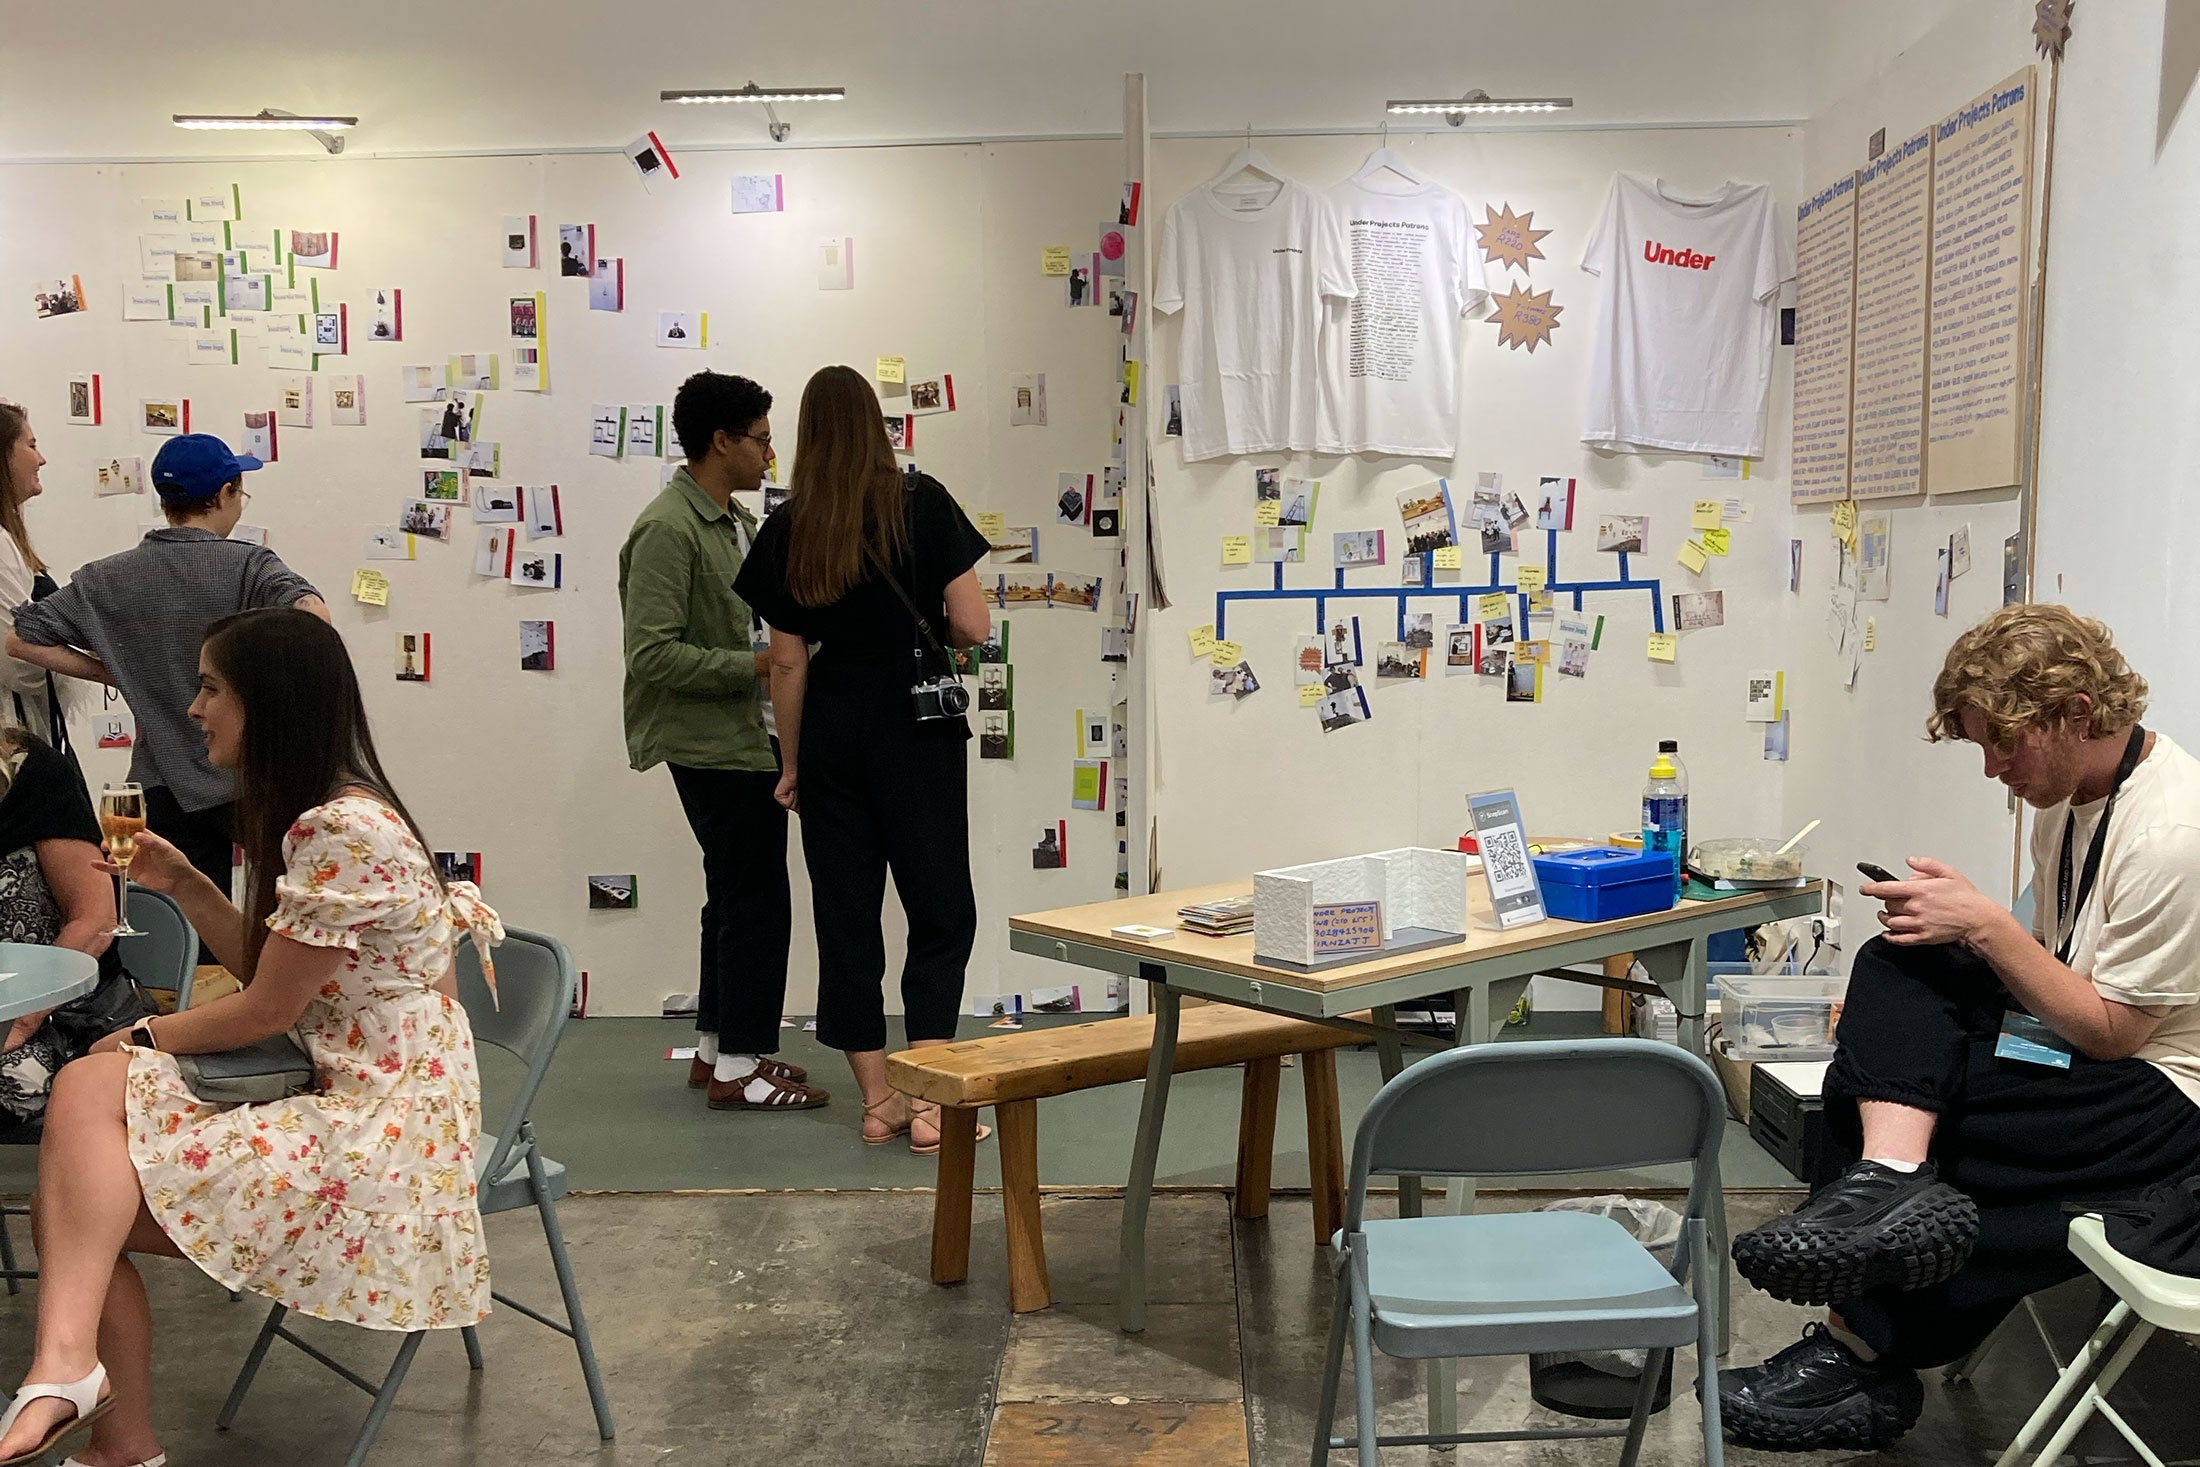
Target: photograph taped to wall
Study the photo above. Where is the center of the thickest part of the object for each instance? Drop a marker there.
(684, 330)
(481, 458)
(443, 484)
(1072, 499)
(607, 286)
(495, 504)
(85, 407)
(1459, 649)
(996, 735)
(413, 665)
(1080, 593)
(1420, 629)
(332, 332)
(652, 163)
(537, 570)
(645, 423)
(164, 417)
(607, 430)
(313, 249)
(576, 248)
(1397, 660)
(1027, 401)
(472, 371)
(423, 384)
(928, 395)
(119, 476)
(1554, 503)
(1343, 709)
(247, 293)
(385, 313)
(538, 646)
(390, 543)
(901, 431)
(294, 400)
(545, 514)
(1358, 547)
(493, 551)
(519, 242)
(1428, 517)
(1017, 545)
(836, 263)
(1693, 611)
(437, 431)
(425, 517)
(759, 193)
(1235, 681)
(1627, 534)
(621, 893)
(996, 687)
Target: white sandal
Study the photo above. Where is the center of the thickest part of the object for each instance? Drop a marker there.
(84, 1395)
(158, 1460)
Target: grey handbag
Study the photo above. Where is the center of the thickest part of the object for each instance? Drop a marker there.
(273, 1069)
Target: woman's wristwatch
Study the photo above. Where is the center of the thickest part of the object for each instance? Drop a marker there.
(141, 1034)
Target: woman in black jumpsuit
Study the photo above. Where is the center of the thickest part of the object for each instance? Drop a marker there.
(878, 788)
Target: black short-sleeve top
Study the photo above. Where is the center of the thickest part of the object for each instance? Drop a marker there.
(869, 625)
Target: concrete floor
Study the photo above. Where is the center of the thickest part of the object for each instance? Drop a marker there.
(801, 1329)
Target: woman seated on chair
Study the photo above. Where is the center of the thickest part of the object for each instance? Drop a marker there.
(52, 890)
(353, 1202)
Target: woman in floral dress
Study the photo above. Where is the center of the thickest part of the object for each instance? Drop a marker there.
(354, 1202)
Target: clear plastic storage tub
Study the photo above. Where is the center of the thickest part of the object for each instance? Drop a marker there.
(1777, 1016)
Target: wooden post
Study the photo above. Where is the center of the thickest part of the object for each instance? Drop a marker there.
(1028, 1288)
(1257, 1134)
(1324, 1142)
(951, 1204)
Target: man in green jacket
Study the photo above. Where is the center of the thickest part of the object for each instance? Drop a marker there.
(695, 702)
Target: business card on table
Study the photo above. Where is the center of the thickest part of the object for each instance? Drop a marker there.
(1140, 932)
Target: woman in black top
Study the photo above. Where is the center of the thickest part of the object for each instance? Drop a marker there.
(877, 786)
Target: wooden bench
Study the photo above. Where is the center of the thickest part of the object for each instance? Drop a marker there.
(1012, 1072)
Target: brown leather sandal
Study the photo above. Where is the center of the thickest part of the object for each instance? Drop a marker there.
(701, 1071)
(783, 1094)
(871, 1113)
(916, 1109)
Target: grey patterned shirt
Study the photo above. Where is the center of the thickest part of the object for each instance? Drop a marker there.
(144, 613)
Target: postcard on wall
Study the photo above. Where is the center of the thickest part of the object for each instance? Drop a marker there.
(294, 400)
(576, 248)
(493, 551)
(901, 431)
(1278, 545)
(519, 241)
(1627, 534)
(1358, 547)
(385, 313)
(1344, 708)
(473, 371)
(538, 646)
(425, 517)
(198, 267)
(1428, 517)
(1554, 503)
(1693, 611)
(313, 249)
(1397, 660)
(119, 476)
(1073, 499)
(1114, 244)
(928, 395)
(1459, 649)
(1765, 696)
(1018, 545)
(1298, 499)
(1077, 287)
(996, 735)
(217, 204)
(652, 162)
(836, 264)
(213, 349)
(495, 504)
(438, 435)
(1027, 406)
(607, 430)
(545, 515)
(248, 293)
(1079, 593)
(530, 371)
(759, 193)
(537, 570)
(607, 287)
(391, 543)
(58, 297)
(412, 657)
(85, 405)
(481, 458)
(1234, 681)
(290, 354)
(645, 430)
(146, 302)
(443, 484)
(687, 330)
(332, 332)
(524, 314)
(1874, 556)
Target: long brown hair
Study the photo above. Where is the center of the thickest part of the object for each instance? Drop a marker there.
(845, 492)
(15, 425)
(305, 739)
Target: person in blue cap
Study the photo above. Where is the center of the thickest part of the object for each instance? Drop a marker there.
(135, 621)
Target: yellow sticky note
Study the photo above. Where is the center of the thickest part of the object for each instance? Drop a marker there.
(1310, 694)
(1535, 652)
(1538, 601)
(1054, 259)
(1707, 515)
(1203, 640)
(1268, 512)
(1871, 633)
(992, 524)
(1717, 542)
(1446, 557)
(1492, 606)
(1532, 578)
(371, 587)
(893, 369)
(1692, 556)
(1664, 647)
(1228, 654)
(1237, 549)
(1844, 521)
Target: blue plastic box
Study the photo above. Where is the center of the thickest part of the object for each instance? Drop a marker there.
(1604, 882)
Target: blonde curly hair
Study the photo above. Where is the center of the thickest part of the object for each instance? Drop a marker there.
(2024, 666)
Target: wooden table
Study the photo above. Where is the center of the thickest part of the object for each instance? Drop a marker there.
(1483, 974)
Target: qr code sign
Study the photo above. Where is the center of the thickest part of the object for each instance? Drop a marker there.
(1506, 857)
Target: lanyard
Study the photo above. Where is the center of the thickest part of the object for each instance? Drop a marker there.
(2064, 911)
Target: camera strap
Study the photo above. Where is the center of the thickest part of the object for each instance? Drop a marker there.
(2065, 911)
(925, 633)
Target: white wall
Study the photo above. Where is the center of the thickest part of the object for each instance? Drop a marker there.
(1859, 760)
(1258, 783)
(530, 768)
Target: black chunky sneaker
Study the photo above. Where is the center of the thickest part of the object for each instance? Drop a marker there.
(1871, 1226)
(1815, 1394)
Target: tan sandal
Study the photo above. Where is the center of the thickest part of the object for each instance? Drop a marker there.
(871, 1113)
(934, 1149)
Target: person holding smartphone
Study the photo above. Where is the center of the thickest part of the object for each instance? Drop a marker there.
(1988, 1072)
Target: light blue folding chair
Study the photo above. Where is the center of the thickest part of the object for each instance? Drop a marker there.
(1527, 1283)
(167, 955)
(535, 983)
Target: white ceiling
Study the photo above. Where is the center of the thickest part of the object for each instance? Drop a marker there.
(99, 79)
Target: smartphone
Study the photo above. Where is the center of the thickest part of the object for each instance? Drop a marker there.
(1876, 873)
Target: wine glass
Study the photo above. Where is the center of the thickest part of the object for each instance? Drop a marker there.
(121, 817)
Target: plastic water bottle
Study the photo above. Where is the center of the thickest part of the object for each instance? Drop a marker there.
(1665, 807)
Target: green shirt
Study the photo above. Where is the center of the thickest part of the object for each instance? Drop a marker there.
(690, 671)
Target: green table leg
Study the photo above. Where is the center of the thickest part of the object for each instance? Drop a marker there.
(1130, 1299)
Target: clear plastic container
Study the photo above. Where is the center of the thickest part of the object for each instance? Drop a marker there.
(1748, 861)
(1777, 1016)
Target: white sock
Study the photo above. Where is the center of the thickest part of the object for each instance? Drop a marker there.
(1856, 1345)
(731, 1067)
(706, 1048)
(1891, 1165)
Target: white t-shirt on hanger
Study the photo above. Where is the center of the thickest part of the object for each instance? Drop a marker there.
(1390, 359)
(1683, 352)
(1249, 260)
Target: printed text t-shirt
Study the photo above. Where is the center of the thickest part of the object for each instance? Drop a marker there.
(1390, 358)
(1683, 353)
(1249, 264)
(2139, 936)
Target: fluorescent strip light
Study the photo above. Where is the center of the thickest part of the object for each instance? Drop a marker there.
(755, 93)
(263, 123)
(1481, 105)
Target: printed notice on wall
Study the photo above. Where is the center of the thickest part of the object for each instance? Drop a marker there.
(1825, 319)
(1887, 411)
(1982, 166)
(1348, 927)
